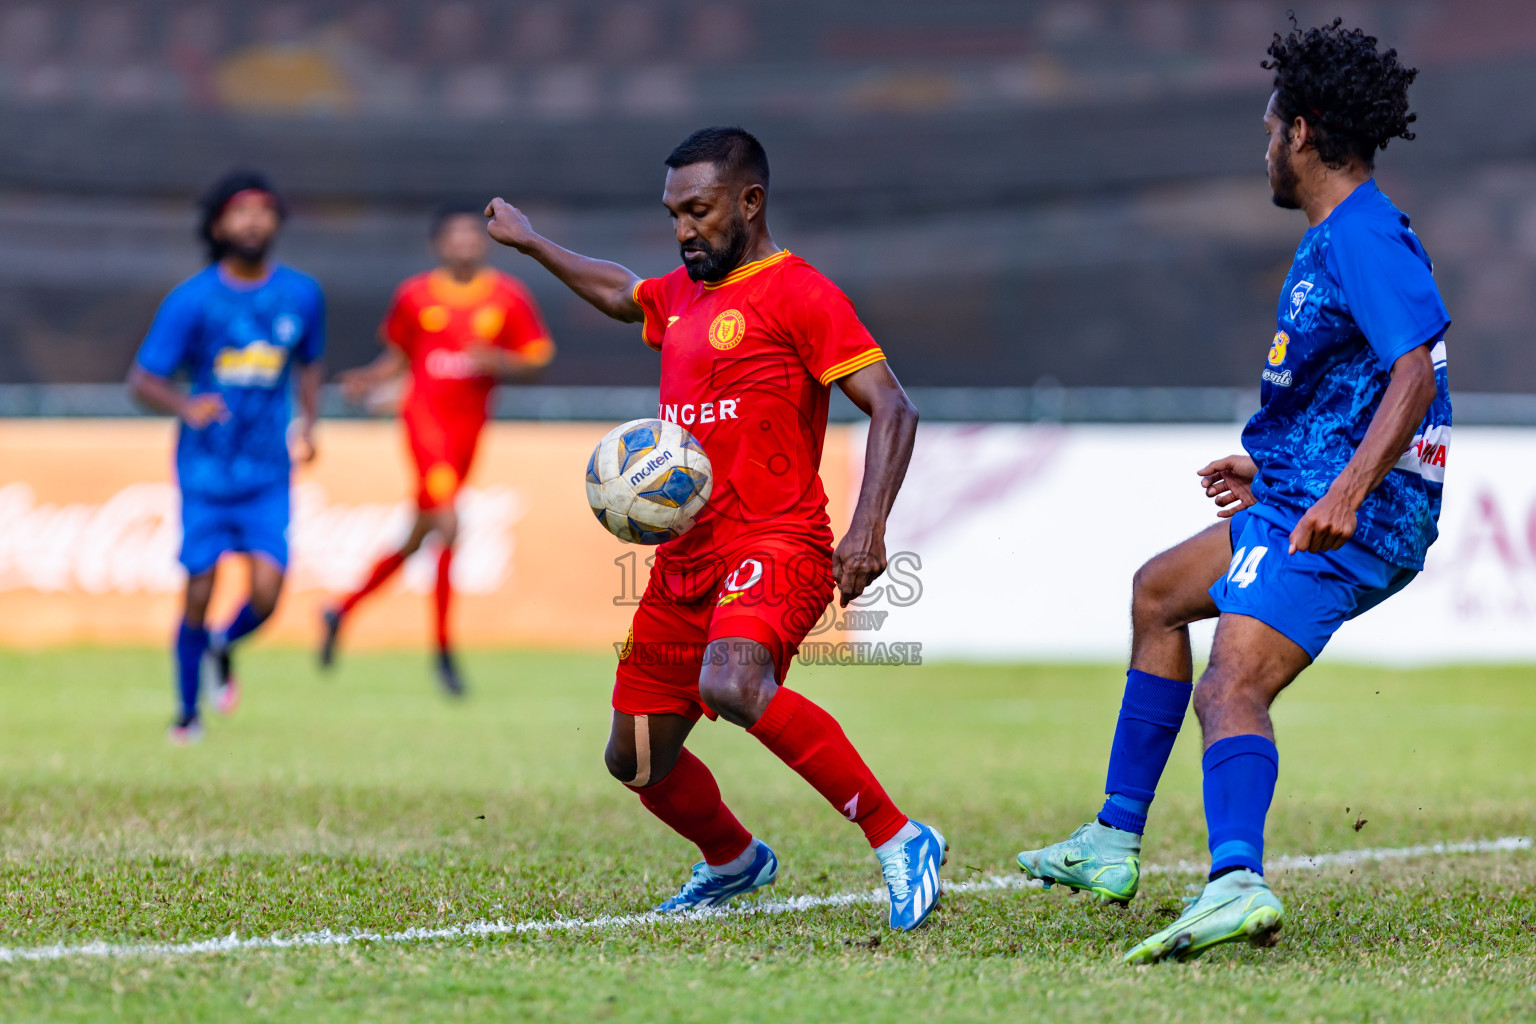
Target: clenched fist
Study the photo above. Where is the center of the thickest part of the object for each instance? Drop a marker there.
(507, 224)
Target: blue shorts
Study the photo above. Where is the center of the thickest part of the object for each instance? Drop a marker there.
(254, 523)
(1305, 597)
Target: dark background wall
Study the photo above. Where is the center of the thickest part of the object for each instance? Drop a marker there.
(1010, 191)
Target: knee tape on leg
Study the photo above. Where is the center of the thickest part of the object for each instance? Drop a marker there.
(642, 753)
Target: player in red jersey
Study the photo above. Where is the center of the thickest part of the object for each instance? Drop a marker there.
(750, 337)
(454, 331)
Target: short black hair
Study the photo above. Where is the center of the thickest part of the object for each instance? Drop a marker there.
(455, 208)
(734, 151)
(1354, 98)
(213, 201)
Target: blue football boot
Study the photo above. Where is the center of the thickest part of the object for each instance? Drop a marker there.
(707, 889)
(912, 876)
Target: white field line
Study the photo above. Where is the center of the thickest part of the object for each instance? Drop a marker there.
(232, 943)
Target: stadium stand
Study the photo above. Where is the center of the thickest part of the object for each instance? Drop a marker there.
(1014, 193)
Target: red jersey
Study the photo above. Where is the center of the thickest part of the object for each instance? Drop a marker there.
(434, 319)
(746, 365)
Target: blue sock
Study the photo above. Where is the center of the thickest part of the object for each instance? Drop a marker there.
(191, 642)
(246, 622)
(1150, 716)
(1240, 773)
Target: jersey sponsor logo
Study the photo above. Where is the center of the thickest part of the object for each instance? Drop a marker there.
(1278, 348)
(1299, 298)
(433, 318)
(488, 321)
(688, 413)
(450, 364)
(258, 364)
(727, 330)
(1427, 454)
(650, 466)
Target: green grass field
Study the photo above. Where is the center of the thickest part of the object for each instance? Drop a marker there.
(363, 801)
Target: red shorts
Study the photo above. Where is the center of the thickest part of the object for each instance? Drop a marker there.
(443, 452)
(772, 590)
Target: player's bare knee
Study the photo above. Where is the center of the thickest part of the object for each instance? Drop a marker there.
(447, 527)
(1153, 596)
(620, 759)
(737, 693)
(199, 591)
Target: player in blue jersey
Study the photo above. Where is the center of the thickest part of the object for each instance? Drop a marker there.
(240, 331)
(1327, 515)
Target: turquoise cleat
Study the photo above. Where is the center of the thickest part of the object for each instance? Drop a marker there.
(912, 877)
(707, 889)
(1105, 861)
(1238, 905)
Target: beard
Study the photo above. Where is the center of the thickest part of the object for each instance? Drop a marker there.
(1282, 181)
(717, 262)
(246, 251)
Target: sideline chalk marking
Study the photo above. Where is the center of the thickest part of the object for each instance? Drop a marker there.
(232, 943)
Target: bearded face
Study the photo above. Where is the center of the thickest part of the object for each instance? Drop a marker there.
(248, 226)
(711, 261)
(1282, 178)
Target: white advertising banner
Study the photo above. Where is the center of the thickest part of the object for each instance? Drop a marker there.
(1023, 540)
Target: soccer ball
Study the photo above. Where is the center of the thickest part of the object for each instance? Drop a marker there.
(647, 480)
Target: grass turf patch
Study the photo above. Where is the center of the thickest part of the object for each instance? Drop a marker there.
(364, 801)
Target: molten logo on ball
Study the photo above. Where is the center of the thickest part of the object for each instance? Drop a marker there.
(647, 480)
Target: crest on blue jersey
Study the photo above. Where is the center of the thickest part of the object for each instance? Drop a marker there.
(286, 329)
(1299, 298)
(638, 443)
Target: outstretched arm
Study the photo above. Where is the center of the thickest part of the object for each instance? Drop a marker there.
(358, 382)
(607, 286)
(1327, 525)
(860, 557)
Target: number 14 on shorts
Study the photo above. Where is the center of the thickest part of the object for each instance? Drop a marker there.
(1245, 565)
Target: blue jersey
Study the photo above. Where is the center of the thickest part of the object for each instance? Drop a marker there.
(1360, 294)
(238, 341)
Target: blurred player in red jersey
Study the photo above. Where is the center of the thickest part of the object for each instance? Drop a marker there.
(751, 337)
(454, 332)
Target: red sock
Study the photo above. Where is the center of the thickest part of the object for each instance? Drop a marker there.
(444, 595)
(812, 743)
(383, 569)
(688, 799)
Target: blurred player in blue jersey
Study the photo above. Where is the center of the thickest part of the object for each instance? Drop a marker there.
(241, 330)
(1327, 515)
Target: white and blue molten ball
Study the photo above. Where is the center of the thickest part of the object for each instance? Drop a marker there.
(647, 480)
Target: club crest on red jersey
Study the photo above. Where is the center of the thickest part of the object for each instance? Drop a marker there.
(488, 321)
(433, 319)
(727, 330)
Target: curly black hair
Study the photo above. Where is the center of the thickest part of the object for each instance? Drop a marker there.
(213, 201)
(1353, 98)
